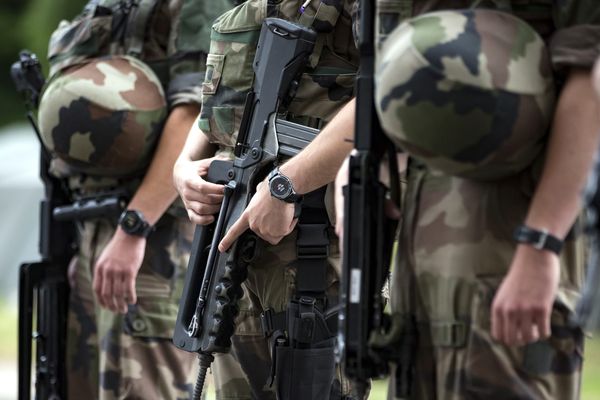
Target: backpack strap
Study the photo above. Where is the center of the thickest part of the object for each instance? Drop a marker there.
(136, 29)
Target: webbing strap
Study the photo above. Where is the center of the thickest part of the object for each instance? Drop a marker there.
(449, 333)
(136, 32)
(312, 245)
(324, 14)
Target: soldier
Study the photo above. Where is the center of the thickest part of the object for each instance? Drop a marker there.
(324, 89)
(121, 97)
(492, 310)
(490, 260)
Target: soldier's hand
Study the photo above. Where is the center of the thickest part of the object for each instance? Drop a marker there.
(270, 218)
(523, 304)
(116, 270)
(202, 199)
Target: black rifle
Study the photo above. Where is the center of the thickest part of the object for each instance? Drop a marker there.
(208, 306)
(368, 240)
(43, 285)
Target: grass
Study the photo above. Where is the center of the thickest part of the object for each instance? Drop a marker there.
(591, 371)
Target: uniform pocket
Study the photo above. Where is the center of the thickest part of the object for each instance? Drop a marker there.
(229, 74)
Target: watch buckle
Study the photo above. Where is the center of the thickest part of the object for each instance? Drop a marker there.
(539, 244)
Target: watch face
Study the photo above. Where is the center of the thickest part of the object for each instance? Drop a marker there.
(280, 187)
(131, 221)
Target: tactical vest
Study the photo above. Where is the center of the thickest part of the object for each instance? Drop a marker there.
(138, 28)
(115, 27)
(323, 88)
(537, 13)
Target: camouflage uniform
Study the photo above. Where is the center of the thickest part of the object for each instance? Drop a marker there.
(488, 76)
(101, 115)
(324, 89)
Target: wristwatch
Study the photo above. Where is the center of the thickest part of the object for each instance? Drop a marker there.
(539, 239)
(281, 187)
(134, 223)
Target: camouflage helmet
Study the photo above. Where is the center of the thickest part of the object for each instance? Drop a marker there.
(103, 117)
(469, 92)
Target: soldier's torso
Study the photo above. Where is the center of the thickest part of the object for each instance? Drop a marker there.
(326, 85)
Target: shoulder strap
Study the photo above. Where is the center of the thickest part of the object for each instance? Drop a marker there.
(136, 30)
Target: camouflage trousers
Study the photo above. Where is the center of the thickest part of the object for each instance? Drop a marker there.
(270, 284)
(114, 356)
(455, 247)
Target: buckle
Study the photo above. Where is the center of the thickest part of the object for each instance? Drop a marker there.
(541, 240)
(312, 242)
(266, 322)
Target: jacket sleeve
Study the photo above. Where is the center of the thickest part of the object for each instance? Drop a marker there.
(576, 40)
(188, 47)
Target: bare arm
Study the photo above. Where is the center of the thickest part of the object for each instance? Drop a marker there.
(116, 269)
(522, 307)
(315, 166)
(201, 198)
(319, 162)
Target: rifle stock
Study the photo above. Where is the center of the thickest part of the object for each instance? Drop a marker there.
(208, 306)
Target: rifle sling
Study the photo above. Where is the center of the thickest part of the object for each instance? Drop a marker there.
(312, 249)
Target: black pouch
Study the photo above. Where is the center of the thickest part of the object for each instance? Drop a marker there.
(303, 374)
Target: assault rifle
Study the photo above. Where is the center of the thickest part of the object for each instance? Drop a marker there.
(43, 285)
(368, 338)
(208, 306)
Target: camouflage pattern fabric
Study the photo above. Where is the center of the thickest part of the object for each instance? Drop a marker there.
(104, 117)
(111, 356)
(270, 285)
(455, 242)
(446, 273)
(475, 95)
(324, 88)
(114, 356)
(173, 42)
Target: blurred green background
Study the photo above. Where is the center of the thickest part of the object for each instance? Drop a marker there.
(27, 24)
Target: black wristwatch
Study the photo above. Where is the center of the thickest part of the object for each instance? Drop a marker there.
(281, 187)
(541, 240)
(134, 223)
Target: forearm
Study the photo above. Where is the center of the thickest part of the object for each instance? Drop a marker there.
(572, 146)
(319, 162)
(156, 192)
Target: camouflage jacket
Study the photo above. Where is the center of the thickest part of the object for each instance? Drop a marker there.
(171, 36)
(326, 85)
(571, 27)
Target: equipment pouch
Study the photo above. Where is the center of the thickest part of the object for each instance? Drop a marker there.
(304, 373)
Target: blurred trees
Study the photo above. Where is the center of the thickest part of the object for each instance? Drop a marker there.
(26, 24)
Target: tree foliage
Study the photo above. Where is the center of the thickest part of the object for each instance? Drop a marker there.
(27, 24)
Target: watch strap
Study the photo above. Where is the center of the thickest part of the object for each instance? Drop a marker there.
(538, 239)
(144, 229)
(293, 197)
